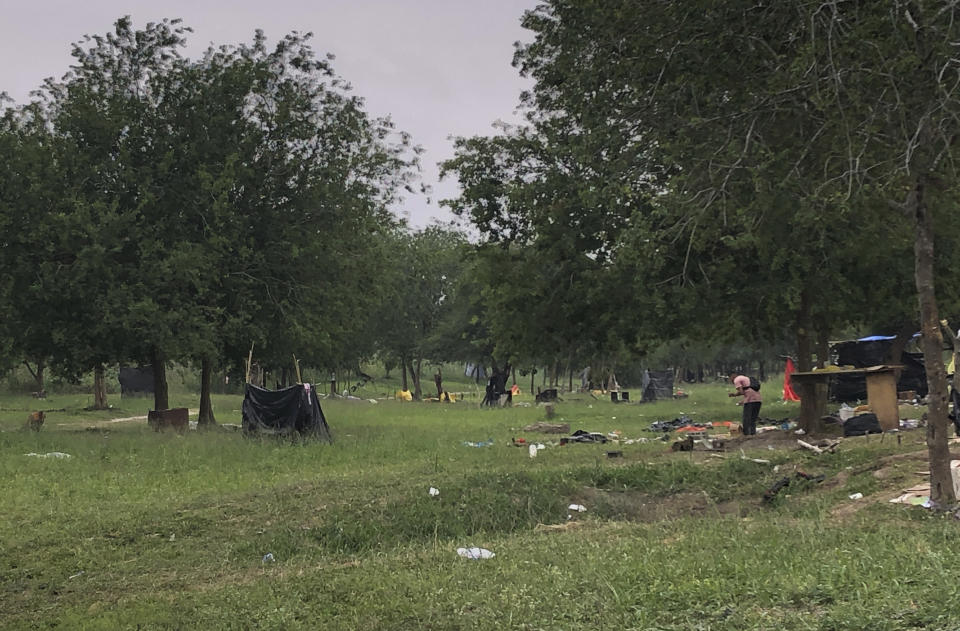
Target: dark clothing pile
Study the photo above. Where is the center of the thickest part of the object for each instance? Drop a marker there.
(675, 424)
(581, 436)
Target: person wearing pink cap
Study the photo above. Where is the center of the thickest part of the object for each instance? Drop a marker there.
(751, 402)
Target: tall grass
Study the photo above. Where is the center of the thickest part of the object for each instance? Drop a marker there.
(157, 531)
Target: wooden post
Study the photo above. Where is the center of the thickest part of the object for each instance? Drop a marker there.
(882, 397)
(249, 361)
(296, 367)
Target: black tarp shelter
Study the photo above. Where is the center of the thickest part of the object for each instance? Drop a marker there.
(135, 381)
(874, 351)
(284, 412)
(657, 384)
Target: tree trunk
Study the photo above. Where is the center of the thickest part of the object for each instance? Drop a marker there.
(804, 350)
(941, 481)
(415, 373)
(403, 378)
(206, 406)
(99, 388)
(570, 379)
(823, 346)
(904, 335)
(37, 374)
(160, 397)
(533, 374)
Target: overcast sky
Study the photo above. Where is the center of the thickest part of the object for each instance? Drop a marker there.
(437, 67)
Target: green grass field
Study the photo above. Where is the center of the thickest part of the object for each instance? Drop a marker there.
(139, 530)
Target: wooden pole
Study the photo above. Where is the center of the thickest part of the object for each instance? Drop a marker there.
(249, 361)
(296, 366)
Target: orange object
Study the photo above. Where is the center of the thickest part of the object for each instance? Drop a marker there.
(788, 392)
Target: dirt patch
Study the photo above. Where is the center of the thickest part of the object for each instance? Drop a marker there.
(647, 508)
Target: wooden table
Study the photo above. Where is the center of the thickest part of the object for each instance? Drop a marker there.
(881, 394)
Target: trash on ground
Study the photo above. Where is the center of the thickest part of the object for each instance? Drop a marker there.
(475, 553)
(78, 574)
(861, 425)
(784, 482)
(670, 426)
(614, 454)
(482, 443)
(856, 496)
(268, 558)
(743, 456)
(918, 495)
(52, 454)
(846, 412)
(579, 508)
(434, 492)
(581, 436)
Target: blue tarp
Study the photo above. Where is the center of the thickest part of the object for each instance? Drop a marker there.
(877, 338)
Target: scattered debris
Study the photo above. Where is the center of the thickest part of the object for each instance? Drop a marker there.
(52, 454)
(268, 558)
(857, 496)
(669, 426)
(784, 482)
(577, 508)
(918, 495)
(581, 436)
(482, 443)
(614, 454)
(77, 575)
(475, 553)
(743, 456)
(433, 492)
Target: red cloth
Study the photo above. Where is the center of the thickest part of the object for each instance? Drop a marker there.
(788, 393)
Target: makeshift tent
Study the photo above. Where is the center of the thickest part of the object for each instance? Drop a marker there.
(657, 384)
(874, 351)
(135, 381)
(788, 392)
(284, 412)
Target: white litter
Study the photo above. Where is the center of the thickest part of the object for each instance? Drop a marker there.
(268, 558)
(857, 496)
(577, 507)
(434, 492)
(52, 454)
(475, 553)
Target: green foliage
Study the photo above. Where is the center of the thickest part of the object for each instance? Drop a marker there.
(178, 208)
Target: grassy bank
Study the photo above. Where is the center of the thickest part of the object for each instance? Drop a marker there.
(158, 531)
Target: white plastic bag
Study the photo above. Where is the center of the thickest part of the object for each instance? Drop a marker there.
(475, 553)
